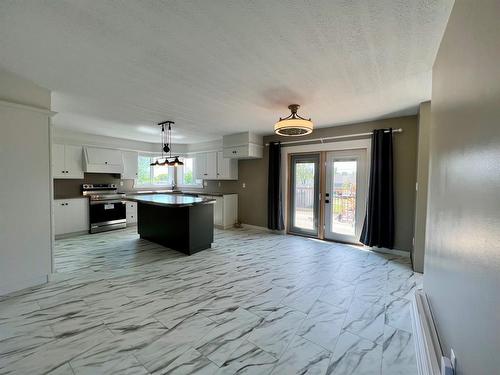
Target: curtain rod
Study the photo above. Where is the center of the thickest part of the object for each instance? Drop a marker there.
(400, 130)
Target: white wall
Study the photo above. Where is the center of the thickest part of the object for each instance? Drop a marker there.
(462, 255)
(25, 212)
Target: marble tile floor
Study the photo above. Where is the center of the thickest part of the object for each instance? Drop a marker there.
(256, 303)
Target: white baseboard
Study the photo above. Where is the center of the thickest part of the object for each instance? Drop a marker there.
(24, 284)
(401, 253)
(427, 347)
(69, 235)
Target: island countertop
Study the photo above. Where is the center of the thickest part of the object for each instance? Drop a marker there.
(169, 200)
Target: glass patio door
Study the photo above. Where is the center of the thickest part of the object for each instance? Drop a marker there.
(345, 196)
(304, 194)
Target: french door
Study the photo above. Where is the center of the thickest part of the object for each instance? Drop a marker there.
(303, 210)
(345, 194)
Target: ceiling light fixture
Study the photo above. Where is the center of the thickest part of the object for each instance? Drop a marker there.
(293, 125)
(166, 147)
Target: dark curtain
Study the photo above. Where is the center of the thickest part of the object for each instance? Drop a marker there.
(274, 204)
(378, 227)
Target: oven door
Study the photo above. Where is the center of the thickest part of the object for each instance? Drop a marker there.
(106, 213)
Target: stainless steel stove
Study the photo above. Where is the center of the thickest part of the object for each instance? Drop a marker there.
(107, 207)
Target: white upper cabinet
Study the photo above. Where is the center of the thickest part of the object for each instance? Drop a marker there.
(245, 145)
(67, 161)
(227, 169)
(102, 160)
(200, 166)
(214, 166)
(211, 166)
(129, 164)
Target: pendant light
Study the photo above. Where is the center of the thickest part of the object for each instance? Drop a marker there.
(166, 147)
(293, 125)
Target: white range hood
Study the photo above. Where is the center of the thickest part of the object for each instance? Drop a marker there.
(102, 160)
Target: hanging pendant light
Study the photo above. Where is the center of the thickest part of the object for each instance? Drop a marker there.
(166, 142)
(293, 125)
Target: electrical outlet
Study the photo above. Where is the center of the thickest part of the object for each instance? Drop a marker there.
(205, 183)
(244, 185)
(121, 183)
(453, 359)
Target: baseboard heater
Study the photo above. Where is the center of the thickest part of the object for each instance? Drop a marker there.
(427, 347)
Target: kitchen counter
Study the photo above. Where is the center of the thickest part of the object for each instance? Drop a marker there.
(180, 222)
(177, 192)
(169, 200)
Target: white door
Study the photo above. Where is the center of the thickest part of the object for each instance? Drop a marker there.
(73, 156)
(345, 197)
(58, 166)
(211, 166)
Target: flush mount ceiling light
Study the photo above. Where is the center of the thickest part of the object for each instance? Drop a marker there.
(293, 125)
(166, 147)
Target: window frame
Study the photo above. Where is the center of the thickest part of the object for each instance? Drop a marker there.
(179, 171)
(152, 156)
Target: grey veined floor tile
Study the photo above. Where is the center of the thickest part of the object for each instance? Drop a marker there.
(256, 303)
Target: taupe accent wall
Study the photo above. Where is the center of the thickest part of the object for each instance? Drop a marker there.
(462, 260)
(253, 199)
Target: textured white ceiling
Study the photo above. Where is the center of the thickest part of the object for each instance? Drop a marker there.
(218, 67)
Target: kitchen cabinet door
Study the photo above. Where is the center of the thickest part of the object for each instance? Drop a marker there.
(73, 160)
(77, 215)
(200, 166)
(59, 217)
(219, 211)
(227, 169)
(71, 215)
(58, 164)
(222, 166)
(131, 212)
(129, 164)
(211, 166)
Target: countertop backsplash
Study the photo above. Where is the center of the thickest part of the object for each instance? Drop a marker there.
(71, 188)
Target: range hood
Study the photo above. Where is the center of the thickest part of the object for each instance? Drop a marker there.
(102, 160)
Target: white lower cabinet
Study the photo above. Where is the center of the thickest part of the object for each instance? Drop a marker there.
(131, 212)
(225, 210)
(71, 215)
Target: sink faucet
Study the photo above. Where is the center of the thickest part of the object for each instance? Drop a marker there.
(175, 187)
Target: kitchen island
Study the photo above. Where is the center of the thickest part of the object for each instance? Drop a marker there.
(180, 222)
